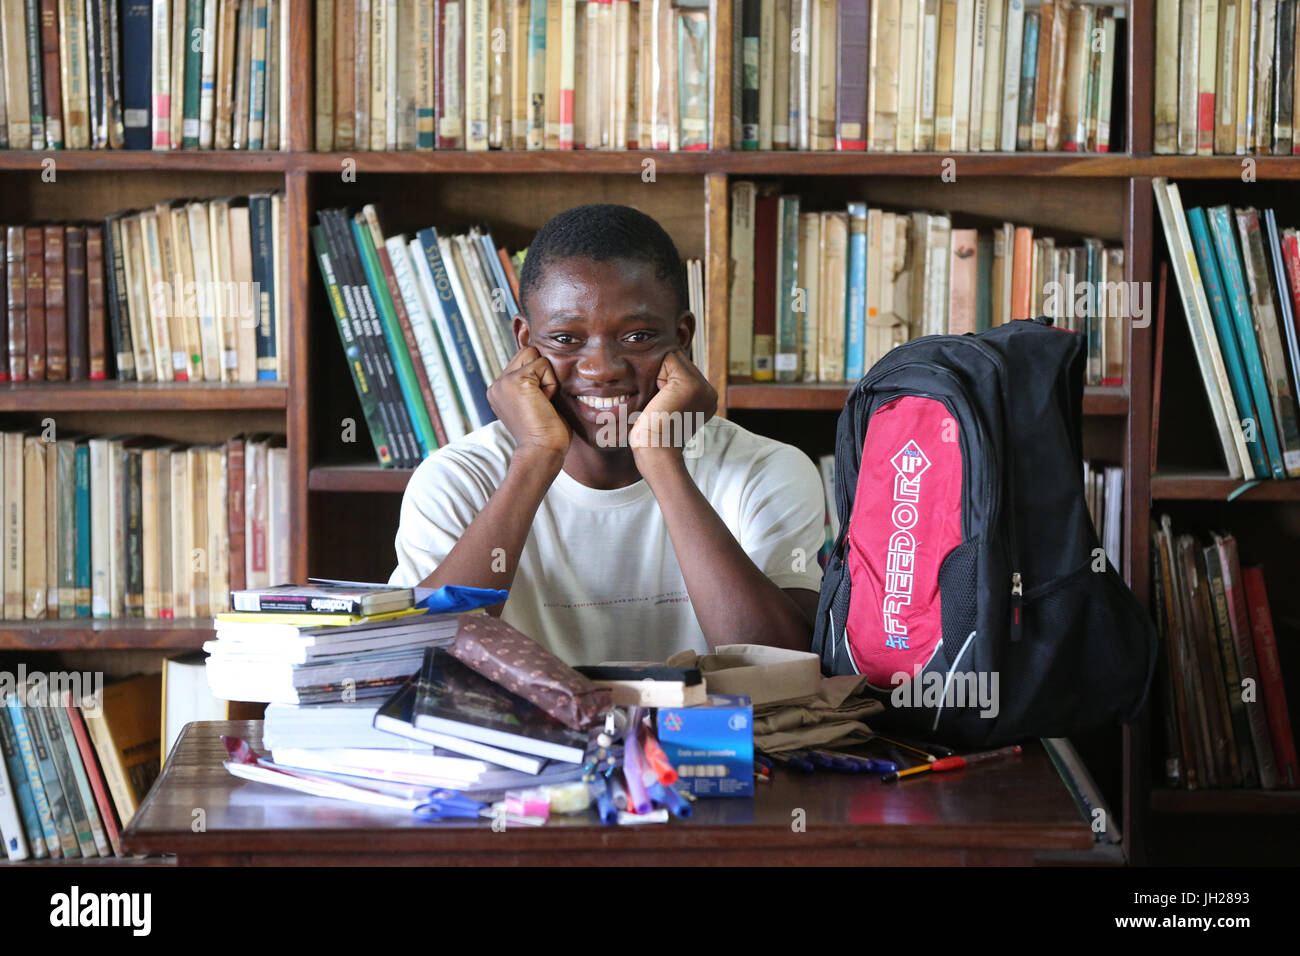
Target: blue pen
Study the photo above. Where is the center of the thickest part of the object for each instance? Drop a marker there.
(819, 761)
(881, 766)
(604, 806)
(793, 761)
(446, 804)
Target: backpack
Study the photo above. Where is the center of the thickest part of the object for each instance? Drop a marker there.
(967, 582)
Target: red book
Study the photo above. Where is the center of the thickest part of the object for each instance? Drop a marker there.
(96, 322)
(1270, 678)
(34, 248)
(1291, 256)
(851, 91)
(235, 512)
(4, 310)
(16, 299)
(50, 76)
(97, 783)
(56, 306)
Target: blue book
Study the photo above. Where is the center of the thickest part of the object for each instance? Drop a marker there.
(1028, 71)
(260, 226)
(501, 279)
(137, 73)
(1227, 336)
(1234, 280)
(22, 789)
(32, 764)
(82, 522)
(455, 337)
(1093, 251)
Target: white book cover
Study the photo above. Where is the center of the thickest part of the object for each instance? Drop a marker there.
(11, 824)
(740, 348)
(208, 74)
(424, 276)
(961, 87)
(205, 288)
(979, 56)
(484, 352)
(990, 121)
(1014, 31)
(99, 533)
(1206, 345)
(426, 339)
(909, 22)
(161, 72)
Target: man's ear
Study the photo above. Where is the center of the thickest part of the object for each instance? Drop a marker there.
(521, 331)
(685, 330)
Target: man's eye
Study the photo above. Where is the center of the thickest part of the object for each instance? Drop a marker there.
(640, 337)
(563, 338)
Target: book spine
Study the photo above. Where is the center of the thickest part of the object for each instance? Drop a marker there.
(17, 96)
(49, 719)
(133, 494)
(851, 92)
(56, 312)
(361, 379)
(197, 475)
(1271, 679)
(77, 312)
(98, 788)
(477, 52)
(961, 65)
(16, 261)
(1028, 71)
(65, 489)
(741, 300)
(751, 13)
(536, 135)
(786, 362)
(1241, 753)
(34, 70)
(112, 66)
(451, 110)
(41, 798)
(59, 806)
(51, 521)
(259, 213)
(1284, 77)
(137, 75)
(568, 36)
(225, 76)
(97, 115)
(425, 121)
(243, 72)
(766, 224)
(22, 788)
(4, 309)
(99, 543)
(118, 310)
(160, 74)
(82, 522)
(235, 512)
(257, 80)
(344, 89)
(271, 109)
(219, 534)
(1244, 648)
(33, 247)
(208, 73)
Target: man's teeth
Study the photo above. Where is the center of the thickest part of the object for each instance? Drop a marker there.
(595, 401)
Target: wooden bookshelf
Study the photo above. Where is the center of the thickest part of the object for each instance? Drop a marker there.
(831, 396)
(1226, 801)
(1207, 486)
(117, 396)
(105, 634)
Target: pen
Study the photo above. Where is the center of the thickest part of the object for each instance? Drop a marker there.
(792, 761)
(842, 763)
(955, 762)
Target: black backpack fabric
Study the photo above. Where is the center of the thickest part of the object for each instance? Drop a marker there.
(967, 580)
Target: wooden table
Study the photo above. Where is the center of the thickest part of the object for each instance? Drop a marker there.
(1015, 812)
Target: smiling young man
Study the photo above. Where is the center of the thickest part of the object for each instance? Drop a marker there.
(617, 549)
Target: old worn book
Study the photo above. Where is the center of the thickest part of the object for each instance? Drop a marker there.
(14, 515)
(477, 92)
(33, 503)
(1056, 76)
(126, 735)
(1225, 101)
(833, 261)
(51, 83)
(825, 43)
(808, 309)
(18, 103)
(34, 250)
(56, 305)
(1078, 58)
(961, 71)
(75, 293)
(1207, 69)
(852, 71)
(740, 339)
(944, 67)
(1166, 76)
(1015, 35)
(909, 23)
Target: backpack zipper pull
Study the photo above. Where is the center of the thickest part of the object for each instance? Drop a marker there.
(1017, 592)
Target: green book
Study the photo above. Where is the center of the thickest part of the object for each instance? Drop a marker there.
(82, 522)
(396, 342)
(787, 261)
(351, 348)
(193, 73)
(66, 497)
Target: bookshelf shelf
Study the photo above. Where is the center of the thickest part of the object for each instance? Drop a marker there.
(823, 396)
(140, 396)
(135, 160)
(105, 634)
(1211, 486)
(1225, 801)
(358, 478)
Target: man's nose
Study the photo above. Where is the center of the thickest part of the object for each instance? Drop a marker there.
(601, 361)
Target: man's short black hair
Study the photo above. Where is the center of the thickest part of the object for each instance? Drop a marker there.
(600, 232)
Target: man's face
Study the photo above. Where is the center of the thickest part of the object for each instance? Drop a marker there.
(605, 327)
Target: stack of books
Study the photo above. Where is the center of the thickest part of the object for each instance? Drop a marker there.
(122, 526)
(1226, 78)
(1226, 722)
(75, 768)
(446, 726)
(1238, 276)
(135, 75)
(821, 296)
(184, 292)
(319, 643)
(922, 75)
(512, 74)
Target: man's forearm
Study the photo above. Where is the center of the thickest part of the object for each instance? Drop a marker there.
(734, 600)
(487, 554)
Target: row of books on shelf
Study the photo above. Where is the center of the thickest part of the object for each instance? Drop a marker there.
(1238, 277)
(1225, 717)
(184, 292)
(145, 74)
(1226, 77)
(161, 74)
(511, 74)
(76, 766)
(821, 296)
(922, 75)
(426, 326)
(136, 527)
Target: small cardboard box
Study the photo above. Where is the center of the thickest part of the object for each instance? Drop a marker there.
(712, 746)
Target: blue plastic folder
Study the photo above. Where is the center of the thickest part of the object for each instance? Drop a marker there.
(455, 599)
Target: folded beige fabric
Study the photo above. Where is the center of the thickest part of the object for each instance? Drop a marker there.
(833, 715)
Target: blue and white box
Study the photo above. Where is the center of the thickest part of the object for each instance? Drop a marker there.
(711, 746)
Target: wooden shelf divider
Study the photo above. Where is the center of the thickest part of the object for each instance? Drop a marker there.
(100, 633)
(140, 396)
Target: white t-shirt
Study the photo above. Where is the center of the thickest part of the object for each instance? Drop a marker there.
(598, 579)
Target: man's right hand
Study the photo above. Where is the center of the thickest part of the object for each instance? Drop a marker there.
(521, 398)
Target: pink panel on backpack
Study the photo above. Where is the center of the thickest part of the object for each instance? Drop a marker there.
(906, 519)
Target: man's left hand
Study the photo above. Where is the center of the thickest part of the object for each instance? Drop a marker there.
(684, 402)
